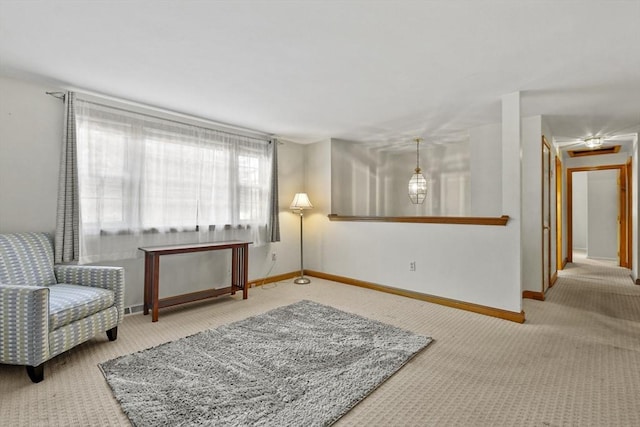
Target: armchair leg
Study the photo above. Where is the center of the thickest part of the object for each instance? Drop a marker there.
(112, 334)
(36, 373)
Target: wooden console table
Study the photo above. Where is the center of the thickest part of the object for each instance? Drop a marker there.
(239, 270)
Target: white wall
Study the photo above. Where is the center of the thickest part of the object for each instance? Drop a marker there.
(532, 203)
(476, 264)
(318, 186)
(602, 201)
(512, 176)
(580, 210)
(30, 144)
(466, 263)
(485, 145)
(486, 189)
(368, 181)
(355, 173)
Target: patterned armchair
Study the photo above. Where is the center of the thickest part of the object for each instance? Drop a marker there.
(46, 309)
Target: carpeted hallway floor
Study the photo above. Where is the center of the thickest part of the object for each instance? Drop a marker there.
(576, 361)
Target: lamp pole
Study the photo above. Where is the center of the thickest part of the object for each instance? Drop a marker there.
(300, 203)
(301, 280)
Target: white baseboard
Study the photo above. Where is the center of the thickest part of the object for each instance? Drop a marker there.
(602, 258)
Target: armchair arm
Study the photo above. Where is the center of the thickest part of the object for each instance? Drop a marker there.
(104, 277)
(24, 324)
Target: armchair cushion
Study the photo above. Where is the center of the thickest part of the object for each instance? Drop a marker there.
(111, 278)
(68, 303)
(26, 259)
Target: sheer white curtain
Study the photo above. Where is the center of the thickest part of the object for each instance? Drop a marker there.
(146, 180)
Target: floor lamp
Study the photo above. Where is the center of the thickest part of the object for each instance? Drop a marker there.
(300, 203)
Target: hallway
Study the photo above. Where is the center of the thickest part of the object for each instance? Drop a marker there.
(597, 287)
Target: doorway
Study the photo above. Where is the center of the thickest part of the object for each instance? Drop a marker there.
(621, 211)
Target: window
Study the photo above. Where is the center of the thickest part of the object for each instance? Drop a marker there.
(147, 180)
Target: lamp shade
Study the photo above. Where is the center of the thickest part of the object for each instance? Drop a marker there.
(300, 201)
(417, 183)
(417, 188)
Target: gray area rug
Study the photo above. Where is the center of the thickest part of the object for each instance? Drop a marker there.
(305, 364)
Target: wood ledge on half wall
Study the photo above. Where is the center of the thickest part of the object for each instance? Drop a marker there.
(469, 220)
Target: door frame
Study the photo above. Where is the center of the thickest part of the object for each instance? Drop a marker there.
(629, 214)
(559, 260)
(547, 261)
(622, 213)
(623, 247)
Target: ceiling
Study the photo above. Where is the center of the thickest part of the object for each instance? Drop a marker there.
(380, 72)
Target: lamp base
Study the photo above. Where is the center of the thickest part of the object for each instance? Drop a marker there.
(302, 281)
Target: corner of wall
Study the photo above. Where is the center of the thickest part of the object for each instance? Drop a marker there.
(317, 174)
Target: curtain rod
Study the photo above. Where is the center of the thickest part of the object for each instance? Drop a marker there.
(266, 138)
(242, 131)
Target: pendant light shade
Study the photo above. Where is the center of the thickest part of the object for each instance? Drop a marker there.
(593, 142)
(417, 183)
(417, 188)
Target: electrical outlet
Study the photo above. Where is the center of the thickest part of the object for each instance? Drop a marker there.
(412, 266)
(274, 256)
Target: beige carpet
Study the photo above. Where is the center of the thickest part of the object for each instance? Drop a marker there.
(576, 361)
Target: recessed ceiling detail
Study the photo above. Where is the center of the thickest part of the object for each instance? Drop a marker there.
(594, 151)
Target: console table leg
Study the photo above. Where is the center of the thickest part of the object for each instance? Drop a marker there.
(148, 259)
(155, 278)
(234, 270)
(245, 271)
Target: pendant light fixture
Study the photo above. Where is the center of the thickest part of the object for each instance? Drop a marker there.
(417, 183)
(593, 142)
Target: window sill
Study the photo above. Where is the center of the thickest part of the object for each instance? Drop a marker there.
(468, 220)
